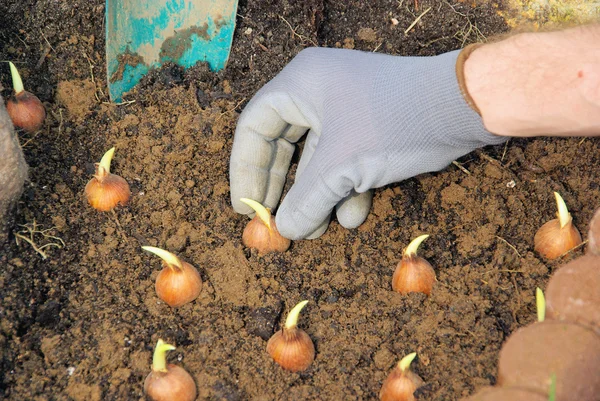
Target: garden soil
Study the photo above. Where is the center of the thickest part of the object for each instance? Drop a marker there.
(81, 324)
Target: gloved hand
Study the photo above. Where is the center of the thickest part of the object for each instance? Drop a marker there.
(372, 119)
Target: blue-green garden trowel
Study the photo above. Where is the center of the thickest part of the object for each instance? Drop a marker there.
(141, 35)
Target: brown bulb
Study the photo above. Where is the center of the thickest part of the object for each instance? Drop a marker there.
(557, 236)
(178, 283)
(178, 286)
(291, 347)
(26, 111)
(265, 239)
(401, 383)
(105, 190)
(24, 108)
(167, 382)
(552, 240)
(261, 232)
(413, 273)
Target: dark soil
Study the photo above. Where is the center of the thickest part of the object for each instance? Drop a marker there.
(81, 324)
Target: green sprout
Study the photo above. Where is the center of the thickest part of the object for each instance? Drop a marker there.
(552, 391)
(540, 302)
(405, 362)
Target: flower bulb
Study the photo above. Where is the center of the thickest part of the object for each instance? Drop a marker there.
(261, 232)
(106, 190)
(24, 108)
(291, 347)
(178, 282)
(413, 273)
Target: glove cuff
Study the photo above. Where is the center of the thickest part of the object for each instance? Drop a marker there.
(460, 74)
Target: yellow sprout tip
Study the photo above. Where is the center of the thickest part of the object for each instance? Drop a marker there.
(262, 212)
(405, 362)
(411, 249)
(106, 159)
(292, 318)
(563, 213)
(159, 359)
(16, 79)
(167, 256)
(540, 303)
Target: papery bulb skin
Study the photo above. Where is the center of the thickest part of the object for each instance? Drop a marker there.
(557, 236)
(24, 108)
(177, 286)
(26, 111)
(263, 238)
(167, 382)
(292, 349)
(174, 384)
(104, 192)
(551, 240)
(413, 274)
(400, 386)
(401, 383)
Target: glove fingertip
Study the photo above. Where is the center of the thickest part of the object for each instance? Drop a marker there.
(353, 210)
(286, 226)
(320, 230)
(294, 231)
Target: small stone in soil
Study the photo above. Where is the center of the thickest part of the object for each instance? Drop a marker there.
(261, 321)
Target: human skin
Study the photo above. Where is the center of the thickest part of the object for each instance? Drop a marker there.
(545, 83)
(13, 170)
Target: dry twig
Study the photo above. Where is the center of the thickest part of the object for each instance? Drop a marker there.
(510, 245)
(464, 170)
(91, 63)
(44, 36)
(231, 109)
(123, 103)
(301, 37)
(416, 21)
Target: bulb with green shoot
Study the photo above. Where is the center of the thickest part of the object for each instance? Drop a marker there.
(401, 383)
(106, 190)
(24, 108)
(559, 235)
(261, 232)
(178, 283)
(291, 347)
(168, 382)
(413, 273)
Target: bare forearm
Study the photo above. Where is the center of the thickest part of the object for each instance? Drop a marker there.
(539, 83)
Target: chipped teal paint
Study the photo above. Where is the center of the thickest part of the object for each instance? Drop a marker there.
(131, 76)
(212, 50)
(139, 28)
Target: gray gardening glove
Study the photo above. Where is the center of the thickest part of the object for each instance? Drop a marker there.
(372, 119)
